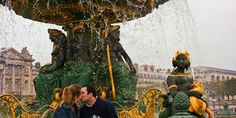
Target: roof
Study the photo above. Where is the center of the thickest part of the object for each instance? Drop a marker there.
(218, 70)
(11, 53)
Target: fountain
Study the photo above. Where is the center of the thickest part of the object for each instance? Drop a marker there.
(89, 53)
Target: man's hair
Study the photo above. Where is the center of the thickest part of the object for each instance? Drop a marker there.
(90, 89)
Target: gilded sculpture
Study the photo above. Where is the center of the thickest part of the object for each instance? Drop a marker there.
(180, 81)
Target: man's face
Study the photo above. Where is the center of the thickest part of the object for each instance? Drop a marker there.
(85, 97)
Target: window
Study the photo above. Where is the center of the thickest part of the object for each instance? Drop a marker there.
(26, 81)
(218, 78)
(223, 78)
(17, 70)
(8, 70)
(18, 86)
(26, 71)
(8, 85)
(213, 78)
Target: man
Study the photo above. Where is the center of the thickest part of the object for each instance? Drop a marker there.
(95, 107)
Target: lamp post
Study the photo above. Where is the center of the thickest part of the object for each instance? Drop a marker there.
(213, 101)
(1, 81)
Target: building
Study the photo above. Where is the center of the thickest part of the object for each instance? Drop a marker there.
(215, 81)
(149, 76)
(17, 72)
(209, 74)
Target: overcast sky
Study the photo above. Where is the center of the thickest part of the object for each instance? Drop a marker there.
(216, 28)
(208, 27)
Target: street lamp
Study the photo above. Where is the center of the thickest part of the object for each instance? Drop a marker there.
(213, 101)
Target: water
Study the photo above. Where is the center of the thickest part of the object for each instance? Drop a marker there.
(18, 32)
(156, 37)
(153, 39)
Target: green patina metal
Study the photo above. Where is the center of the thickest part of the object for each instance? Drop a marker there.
(181, 104)
(83, 73)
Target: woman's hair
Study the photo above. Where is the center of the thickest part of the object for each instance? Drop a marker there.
(69, 93)
(67, 97)
(75, 89)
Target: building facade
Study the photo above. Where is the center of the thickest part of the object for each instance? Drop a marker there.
(215, 81)
(209, 74)
(17, 72)
(149, 76)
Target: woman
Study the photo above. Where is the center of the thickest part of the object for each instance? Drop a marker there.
(68, 107)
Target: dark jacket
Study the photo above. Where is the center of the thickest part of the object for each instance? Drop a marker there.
(64, 111)
(101, 109)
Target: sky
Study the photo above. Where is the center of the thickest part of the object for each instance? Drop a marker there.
(216, 28)
(206, 28)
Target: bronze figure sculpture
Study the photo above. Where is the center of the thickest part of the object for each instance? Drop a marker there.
(58, 54)
(180, 81)
(116, 49)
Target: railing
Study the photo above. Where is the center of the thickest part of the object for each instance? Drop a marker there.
(11, 107)
(145, 107)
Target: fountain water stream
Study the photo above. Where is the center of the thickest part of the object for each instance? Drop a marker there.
(154, 38)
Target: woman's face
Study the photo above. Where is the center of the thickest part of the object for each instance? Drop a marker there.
(77, 98)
